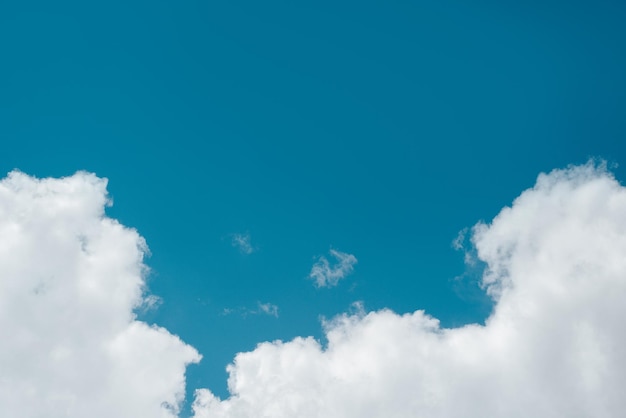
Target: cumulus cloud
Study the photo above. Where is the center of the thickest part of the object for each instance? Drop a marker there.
(326, 275)
(242, 242)
(70, 280)
(554, 345)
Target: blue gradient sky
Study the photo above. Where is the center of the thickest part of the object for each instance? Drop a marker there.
(379, 129)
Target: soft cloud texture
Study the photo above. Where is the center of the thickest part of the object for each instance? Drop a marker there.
(554, 345)
(242, 242)
(261, 309)
(70, 279)
(460, 244)
(326, 275)
(268, 309)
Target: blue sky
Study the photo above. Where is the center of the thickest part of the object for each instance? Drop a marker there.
(377, 129)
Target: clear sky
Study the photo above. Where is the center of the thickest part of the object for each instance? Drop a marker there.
(246, 140)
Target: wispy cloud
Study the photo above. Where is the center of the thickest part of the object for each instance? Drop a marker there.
(242, 242)
(150, 302)
(261, 309)
(459, 241)
(327, 275)
(268, 309)
(460, 244)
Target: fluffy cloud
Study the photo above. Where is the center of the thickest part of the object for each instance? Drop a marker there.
(554, 345)
(326, 275)
(70, 279)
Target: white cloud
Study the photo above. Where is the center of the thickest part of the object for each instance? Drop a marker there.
(326, 275)
(261, 309)
(268, 309)
(151, 302)
(242, 242)
(459, 242)
(554, 345)
(70, 278)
